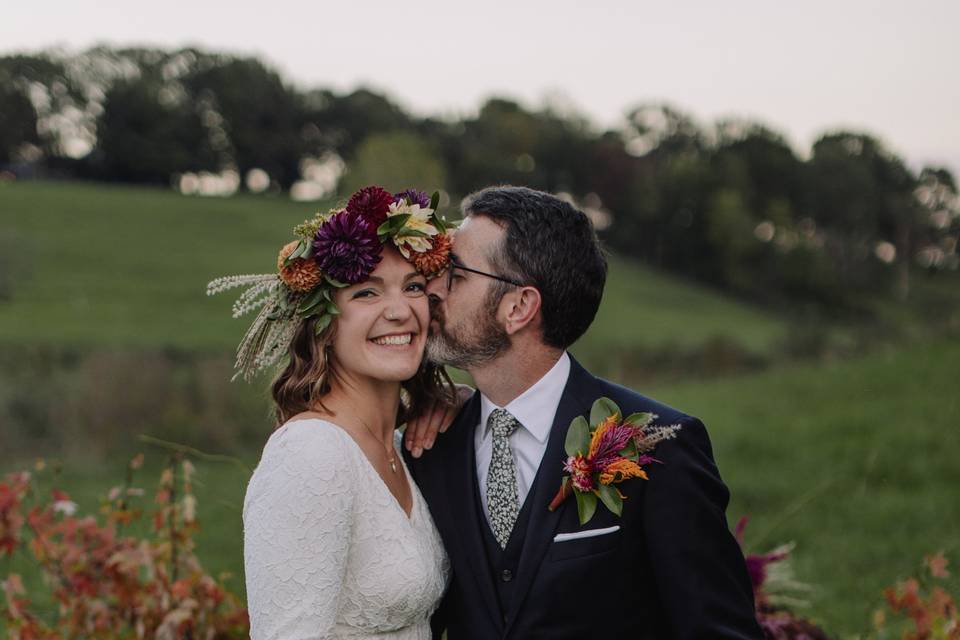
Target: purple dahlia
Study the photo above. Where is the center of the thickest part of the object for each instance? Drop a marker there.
(347, 248)
(371, 204)
(414, 196)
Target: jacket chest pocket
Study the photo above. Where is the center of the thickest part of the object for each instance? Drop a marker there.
(590, 542)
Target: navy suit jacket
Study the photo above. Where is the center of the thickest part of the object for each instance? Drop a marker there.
(672, 570)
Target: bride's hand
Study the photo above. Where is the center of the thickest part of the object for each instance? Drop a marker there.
(421, 432)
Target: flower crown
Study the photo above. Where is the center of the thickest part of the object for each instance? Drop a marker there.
(333, 250)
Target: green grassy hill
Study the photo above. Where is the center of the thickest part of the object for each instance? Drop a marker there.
(107, 265)
(854, 461)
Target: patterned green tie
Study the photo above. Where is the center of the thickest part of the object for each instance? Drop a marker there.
(503, 501)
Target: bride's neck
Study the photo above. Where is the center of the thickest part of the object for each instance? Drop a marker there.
(374, 403)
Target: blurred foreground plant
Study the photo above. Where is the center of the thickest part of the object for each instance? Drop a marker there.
(107, 584)
(773, 593)
(930, 612)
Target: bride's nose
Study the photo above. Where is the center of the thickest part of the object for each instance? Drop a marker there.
(397, 310)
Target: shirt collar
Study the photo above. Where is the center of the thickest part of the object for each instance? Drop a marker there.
(536, 407)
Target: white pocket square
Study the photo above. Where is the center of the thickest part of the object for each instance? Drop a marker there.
(589, 533)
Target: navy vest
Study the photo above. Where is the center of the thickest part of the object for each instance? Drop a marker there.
(503, 563)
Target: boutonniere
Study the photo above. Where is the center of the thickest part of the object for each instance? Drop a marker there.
(606, 451)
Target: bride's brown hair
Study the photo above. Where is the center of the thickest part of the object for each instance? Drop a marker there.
(303, 383)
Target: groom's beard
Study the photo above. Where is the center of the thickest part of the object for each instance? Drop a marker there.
(469, 347)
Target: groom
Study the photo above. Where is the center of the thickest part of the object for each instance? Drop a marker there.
(526, 283)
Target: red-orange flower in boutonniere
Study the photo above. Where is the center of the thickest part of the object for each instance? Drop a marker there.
(604, 452)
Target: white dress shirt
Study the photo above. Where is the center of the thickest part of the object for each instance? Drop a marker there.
(535, 409)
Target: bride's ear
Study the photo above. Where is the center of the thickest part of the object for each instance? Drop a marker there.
(521, 308)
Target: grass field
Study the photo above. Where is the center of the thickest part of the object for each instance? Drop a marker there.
(856, 461)
(106, 265)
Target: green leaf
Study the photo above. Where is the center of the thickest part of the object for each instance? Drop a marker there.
(311, 300)
(639, 419)
(300, 248)
(412, 233)
(578, 437)
(602, 409)
(586, 505)
(630, 450)
(332, 309)
(322, 323)
(335, 283)
(611, 499)
(435, 200)
(393, 224)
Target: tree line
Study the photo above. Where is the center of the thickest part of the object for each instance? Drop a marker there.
(730, 203)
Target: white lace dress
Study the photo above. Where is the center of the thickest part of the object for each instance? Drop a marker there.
(328, 551)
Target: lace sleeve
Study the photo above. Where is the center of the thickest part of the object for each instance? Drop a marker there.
(297, 520)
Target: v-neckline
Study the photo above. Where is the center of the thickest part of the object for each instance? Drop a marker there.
(381, 481)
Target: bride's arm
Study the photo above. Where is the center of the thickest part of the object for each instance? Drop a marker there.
(297, 521)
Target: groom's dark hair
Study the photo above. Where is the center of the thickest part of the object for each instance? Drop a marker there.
(551, 245)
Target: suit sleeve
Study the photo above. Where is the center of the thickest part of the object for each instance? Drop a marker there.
(698, 566)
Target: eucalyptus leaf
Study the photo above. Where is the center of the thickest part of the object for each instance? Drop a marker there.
(298, 251)
(610, 498)
(639, 419)
(334, 282)
(578, 437)
(586, 505)
(412, 233)
(393, 224)
(322, 323)
(602, 409)
(630, 450)
(332, 309)
(310, 301)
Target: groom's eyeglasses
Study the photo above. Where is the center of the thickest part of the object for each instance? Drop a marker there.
(456, 265)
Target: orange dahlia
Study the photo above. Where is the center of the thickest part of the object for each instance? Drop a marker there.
(430, 263)
(299, 275)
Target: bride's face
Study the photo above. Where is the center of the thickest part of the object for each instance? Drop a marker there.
(383, 321)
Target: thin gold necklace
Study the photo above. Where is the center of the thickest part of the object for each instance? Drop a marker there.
(391, 455)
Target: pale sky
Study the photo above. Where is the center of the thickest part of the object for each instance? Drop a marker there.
(889, 68)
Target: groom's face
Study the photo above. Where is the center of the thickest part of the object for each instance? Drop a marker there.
(465, 328)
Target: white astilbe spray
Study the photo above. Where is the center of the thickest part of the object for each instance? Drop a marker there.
(225, 283)
(652, 435)
(271, 331)
(256, 296)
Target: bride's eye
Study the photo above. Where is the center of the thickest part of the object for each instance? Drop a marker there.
(363, 293)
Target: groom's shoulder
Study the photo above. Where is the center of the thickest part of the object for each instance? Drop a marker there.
(631, 401)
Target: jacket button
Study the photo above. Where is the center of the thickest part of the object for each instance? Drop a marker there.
(506, 576)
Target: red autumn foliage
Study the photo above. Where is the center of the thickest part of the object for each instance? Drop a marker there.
(106, 584)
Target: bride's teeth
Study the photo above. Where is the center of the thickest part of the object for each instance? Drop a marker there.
(404, 339)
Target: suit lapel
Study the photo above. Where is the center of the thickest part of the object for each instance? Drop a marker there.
(460, 469)
(576, 400)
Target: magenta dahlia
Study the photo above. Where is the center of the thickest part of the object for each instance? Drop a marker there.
(371, 204)
(347, 248)
(414, 196)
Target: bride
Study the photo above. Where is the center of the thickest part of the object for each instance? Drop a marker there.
(338, 542)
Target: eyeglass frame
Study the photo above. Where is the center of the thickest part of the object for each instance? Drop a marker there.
(456, 265)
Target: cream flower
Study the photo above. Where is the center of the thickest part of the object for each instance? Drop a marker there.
(418, 223)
